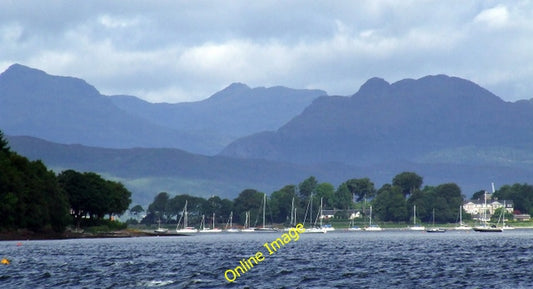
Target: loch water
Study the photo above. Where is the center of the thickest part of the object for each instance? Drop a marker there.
(388, 259)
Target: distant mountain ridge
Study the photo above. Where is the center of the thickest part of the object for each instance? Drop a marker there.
(147, 171)
(68, 110)
(410, 120)
(229, 114)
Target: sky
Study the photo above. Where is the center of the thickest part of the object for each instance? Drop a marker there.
(175, 51)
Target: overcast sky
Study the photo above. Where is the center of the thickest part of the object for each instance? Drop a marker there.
(173, 51)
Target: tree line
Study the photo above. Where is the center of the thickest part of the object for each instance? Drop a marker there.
(35, 198)
(392, 202)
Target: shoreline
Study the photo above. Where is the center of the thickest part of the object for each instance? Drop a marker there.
(25, 235)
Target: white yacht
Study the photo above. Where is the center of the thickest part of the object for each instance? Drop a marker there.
(184, 229)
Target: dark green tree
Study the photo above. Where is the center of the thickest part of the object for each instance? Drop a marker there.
(174, 207)
(136, 210)
(326, 192)
(423, 202)
(74, 185)
(158, 209)
(520, 194)
(90, 195)
(361, 188)
(248, 200)
(120, 198)
(307, 187)
(30, 196)
(281, 203)
(390, 204)
(409, 182)
(227, 207)
(479, 195)
(343, 197)
(448, 200)
(214, 205)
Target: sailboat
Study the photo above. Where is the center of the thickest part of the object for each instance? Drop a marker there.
(204, 229)
(159, 229)
(352, 227)
(416, 227)
(484, 227)
(292, 222)
(316, 228)
(184, 229)
(229, 225)
(372, 227)
(247, 228)
(462, 226)
(435, 229)
(504, 226)
(264, 228)
(213, 228)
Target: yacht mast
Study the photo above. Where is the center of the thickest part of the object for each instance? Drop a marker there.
(264, 207)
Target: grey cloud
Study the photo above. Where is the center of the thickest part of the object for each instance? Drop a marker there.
(185, 50)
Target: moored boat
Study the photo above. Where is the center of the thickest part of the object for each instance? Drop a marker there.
(160, 230)
(372, 227)
(462, 226)
(435, 229)
(416, 227)
(184, 229)
(485, 227)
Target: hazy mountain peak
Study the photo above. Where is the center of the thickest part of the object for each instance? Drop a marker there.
(375, 86)
(237, 85)
(17, 77)
(19, 71)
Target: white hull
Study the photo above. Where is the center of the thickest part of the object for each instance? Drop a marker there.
(354, 229)
(463, 228)
(373, 229)
(436, 230)
(266, 230)
(188, 230)
(315, 230)
(417, 228)
(210, 231)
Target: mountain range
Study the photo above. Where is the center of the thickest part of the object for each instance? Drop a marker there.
(68, 110)
(229, 114)
(435, 119)
(446, 129)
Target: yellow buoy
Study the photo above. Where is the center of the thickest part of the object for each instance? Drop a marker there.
(5, 261)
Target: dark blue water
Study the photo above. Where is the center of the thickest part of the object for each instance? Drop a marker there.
(396, 259)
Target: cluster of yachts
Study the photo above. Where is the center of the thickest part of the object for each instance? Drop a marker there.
(182, 227)
(483, 227)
